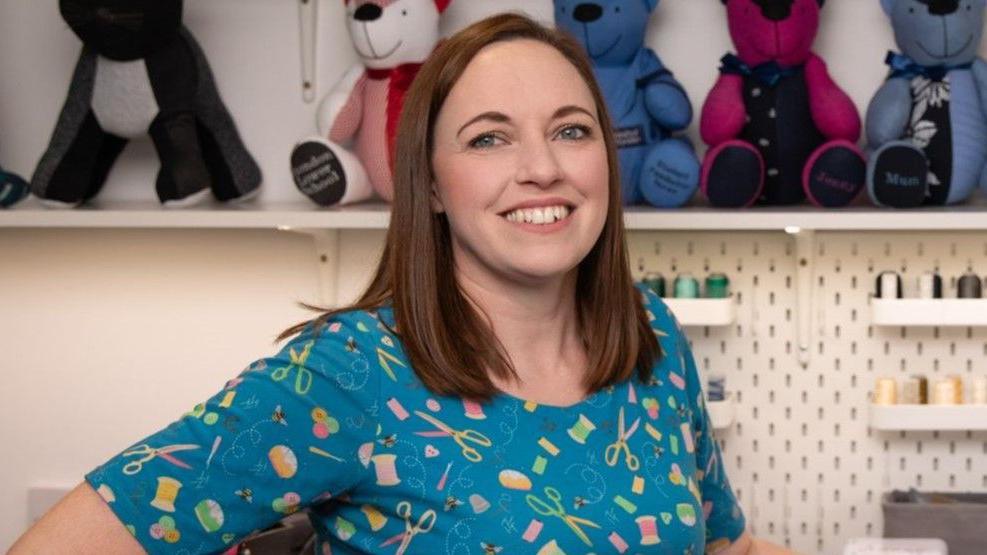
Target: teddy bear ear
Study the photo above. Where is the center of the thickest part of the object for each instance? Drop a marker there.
(888, 6)
(651, 4)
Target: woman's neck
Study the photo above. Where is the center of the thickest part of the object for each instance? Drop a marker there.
(536, 324)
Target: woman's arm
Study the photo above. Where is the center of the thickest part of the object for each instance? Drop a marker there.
(748, 545)
(80, 523)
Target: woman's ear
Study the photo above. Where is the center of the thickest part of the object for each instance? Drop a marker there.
(436, 201)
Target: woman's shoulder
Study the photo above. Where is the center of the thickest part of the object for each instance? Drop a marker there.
(662, 319)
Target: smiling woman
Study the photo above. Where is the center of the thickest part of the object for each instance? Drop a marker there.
(502, 385)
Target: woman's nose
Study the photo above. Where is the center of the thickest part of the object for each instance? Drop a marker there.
(538, 164)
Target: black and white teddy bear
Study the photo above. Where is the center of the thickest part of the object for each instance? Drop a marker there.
(141, 71)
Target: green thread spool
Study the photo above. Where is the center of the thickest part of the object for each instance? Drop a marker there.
(655, 282)
(686, 287)
(581, 430)
(717, 286)
(539, 466)
(631, 508)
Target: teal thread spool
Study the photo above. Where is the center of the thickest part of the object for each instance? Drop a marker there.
(717, 286)
(655, 282)
(686, 287)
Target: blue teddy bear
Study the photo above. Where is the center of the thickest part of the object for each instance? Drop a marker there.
(645, 102)
(926, 124)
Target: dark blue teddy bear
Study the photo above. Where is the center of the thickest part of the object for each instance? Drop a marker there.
(12, 189)
(645, 101)
(927, 123)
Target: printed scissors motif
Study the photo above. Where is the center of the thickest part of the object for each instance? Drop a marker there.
(146, 453)
(571, 521)
(303, 381)
(461, 436)
(613, 451)
(424, 525)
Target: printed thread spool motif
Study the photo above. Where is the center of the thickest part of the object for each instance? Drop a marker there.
(167, 492)
(581, 430)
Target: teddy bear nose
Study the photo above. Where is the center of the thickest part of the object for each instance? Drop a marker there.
(587, 13)
(368, 12)
(943, 7)
(775, 10)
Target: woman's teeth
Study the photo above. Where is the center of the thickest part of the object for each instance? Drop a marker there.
(546, 215)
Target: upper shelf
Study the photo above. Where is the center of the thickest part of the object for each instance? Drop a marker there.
(375, 215)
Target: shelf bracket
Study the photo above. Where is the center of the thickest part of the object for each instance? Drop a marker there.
(805, 253)
(308, 23)
(326, 244)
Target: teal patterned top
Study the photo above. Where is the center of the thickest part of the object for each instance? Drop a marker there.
(338, 423)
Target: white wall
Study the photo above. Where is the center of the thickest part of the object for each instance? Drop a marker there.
(106, 335)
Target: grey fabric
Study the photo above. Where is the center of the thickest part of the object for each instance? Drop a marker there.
(69, 121)
(957, 518)
(213, 115)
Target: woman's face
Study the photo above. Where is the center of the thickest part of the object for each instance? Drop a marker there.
(520, 165)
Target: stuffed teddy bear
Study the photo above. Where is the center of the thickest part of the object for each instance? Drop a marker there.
(141, 71)
(778, 128)
(12, 189)
(645, 102)
(358, 119)
(927, 122)
(463, 13)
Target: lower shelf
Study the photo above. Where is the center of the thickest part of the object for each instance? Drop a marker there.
(721, 413)
(703, 312)
(929, 312)
(928, 417)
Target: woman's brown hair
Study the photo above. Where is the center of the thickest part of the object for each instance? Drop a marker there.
(449, 343)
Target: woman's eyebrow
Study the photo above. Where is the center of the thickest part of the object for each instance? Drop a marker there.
(496, 117)
(571, 109)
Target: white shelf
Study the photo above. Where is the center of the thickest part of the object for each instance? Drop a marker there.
(721, 413)
(928, 417)
(929, 312)
(703, 312)
(376, 215)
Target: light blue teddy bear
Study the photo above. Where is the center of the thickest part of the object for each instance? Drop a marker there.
(645, 101)
(926, 124)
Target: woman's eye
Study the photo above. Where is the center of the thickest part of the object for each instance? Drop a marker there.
(484, 141)
(574, 132)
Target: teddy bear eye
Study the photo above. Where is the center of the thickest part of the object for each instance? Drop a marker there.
(616, 9)
(404, 12)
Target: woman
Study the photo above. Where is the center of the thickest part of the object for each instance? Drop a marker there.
(500, 386)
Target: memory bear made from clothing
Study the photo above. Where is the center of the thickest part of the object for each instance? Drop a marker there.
(353, 155)
(141, 72)
(927, 123)
(645, 102)
(778, 128)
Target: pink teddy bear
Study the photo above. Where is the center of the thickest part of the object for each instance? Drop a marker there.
(778, 128)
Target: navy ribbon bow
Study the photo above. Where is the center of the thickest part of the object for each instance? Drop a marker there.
(768, 73)
(903, 66)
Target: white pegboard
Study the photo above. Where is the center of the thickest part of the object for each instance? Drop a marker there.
(806, 467)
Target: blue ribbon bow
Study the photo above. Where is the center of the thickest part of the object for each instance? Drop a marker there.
(905, 67)
(768, 73)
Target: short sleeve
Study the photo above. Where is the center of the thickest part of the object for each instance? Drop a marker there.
(725, 520)
(284, 434)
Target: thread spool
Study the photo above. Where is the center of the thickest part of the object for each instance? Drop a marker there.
(915, 391)
(979, 391)
(618, 542)
(655, 282)
(717, 286)
(581, 430)
(532, 531)
(716, 387)
(397, 409)
(958, 388)
(539, 466)
(944, 392)
(167, 492)
(375, 518)
(473, 410)
(648, 526)
(930, 286)
(886, 391)
(969, 286)
(686, 286)
(888, 285)
(387, 474)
